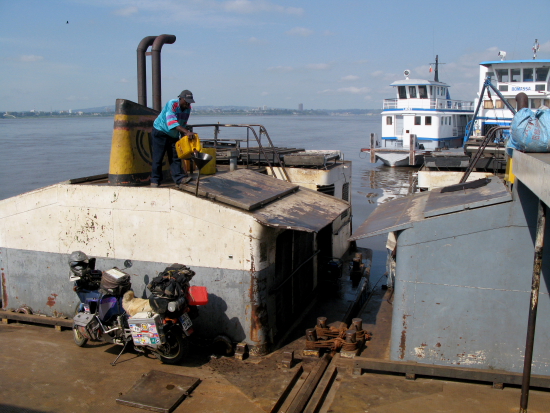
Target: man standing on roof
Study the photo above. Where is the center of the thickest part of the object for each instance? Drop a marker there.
(168, 126)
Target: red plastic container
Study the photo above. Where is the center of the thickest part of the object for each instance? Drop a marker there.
(197, 295)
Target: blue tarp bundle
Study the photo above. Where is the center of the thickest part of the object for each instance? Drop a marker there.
(530, 131)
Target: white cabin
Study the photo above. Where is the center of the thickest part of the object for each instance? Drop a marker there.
(424, 108)
(510, 78)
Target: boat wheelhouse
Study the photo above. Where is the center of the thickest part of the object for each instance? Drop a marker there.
(510, 77)
(424, 108)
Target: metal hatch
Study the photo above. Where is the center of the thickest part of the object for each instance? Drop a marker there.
(243, 188)
(402, 213)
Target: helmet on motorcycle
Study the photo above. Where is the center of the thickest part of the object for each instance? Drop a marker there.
(78, 263)
(77, 256)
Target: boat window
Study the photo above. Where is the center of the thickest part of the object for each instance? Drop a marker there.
(499, 104)
(402, 90)
(540, 74)
(442, 120)
(412, 91)
(417, 120)
(431, 90)
(515, 75)
(389, 120)
(428, 120)
(535, 103)
(503, 75)
(527, 75)
(503, 88)
(488, 104)
(423, 92)
(540, 88)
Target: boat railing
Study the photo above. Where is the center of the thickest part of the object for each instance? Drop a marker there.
(451, 104)
(266, 152)
(445, 104)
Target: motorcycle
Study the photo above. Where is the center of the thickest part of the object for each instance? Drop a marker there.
(163, 324)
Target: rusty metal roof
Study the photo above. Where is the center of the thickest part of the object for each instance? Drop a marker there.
(304, 210)
(402, 213)
(243, 188)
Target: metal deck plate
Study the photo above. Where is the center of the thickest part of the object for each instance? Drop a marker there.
(394, 215)
(401, 213)
(158, 391)
(440, 203)
(242, 188)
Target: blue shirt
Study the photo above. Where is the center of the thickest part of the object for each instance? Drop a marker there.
(170, 117)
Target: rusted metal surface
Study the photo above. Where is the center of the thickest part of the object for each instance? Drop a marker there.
(402, 213)
(4, 290)
(394, 215)
(288, 389)
(24, 310)
(490, 137)
(412, 146)
(442, 202)
(306, 392)
(305, 210)
(258, 311)
(159, 391)
(533, 307)
(312, 158)
(244, 189)
(451, 372)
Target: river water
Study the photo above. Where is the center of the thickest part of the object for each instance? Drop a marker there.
(38, 152)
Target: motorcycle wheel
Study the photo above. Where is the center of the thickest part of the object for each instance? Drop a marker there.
(175, 349)
(78, 338)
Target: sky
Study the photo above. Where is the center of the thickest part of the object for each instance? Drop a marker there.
(324, 54)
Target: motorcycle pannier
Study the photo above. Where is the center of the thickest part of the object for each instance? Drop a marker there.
(115, 282)
(146, 329)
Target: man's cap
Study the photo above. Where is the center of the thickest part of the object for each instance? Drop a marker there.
(187, 96)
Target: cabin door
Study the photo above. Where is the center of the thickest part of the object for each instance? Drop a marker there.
(293, 281)
(399, 126)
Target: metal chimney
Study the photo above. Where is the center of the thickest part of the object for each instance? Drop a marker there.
(142, 69)
(157, 46)
(157, 42)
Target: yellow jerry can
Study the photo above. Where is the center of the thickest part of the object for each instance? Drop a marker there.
(185, 147)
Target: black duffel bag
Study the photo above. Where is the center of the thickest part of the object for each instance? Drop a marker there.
(172, 283)
(115, 282)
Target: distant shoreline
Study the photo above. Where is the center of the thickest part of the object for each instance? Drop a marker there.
(17, 115)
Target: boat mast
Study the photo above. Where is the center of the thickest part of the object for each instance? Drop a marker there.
(536, 48)
(436, 74)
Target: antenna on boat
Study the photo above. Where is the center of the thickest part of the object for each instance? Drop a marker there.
(436, 74)
(536, 48)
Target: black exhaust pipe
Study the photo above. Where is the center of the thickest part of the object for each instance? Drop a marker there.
(157, 46)
(142, 70)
